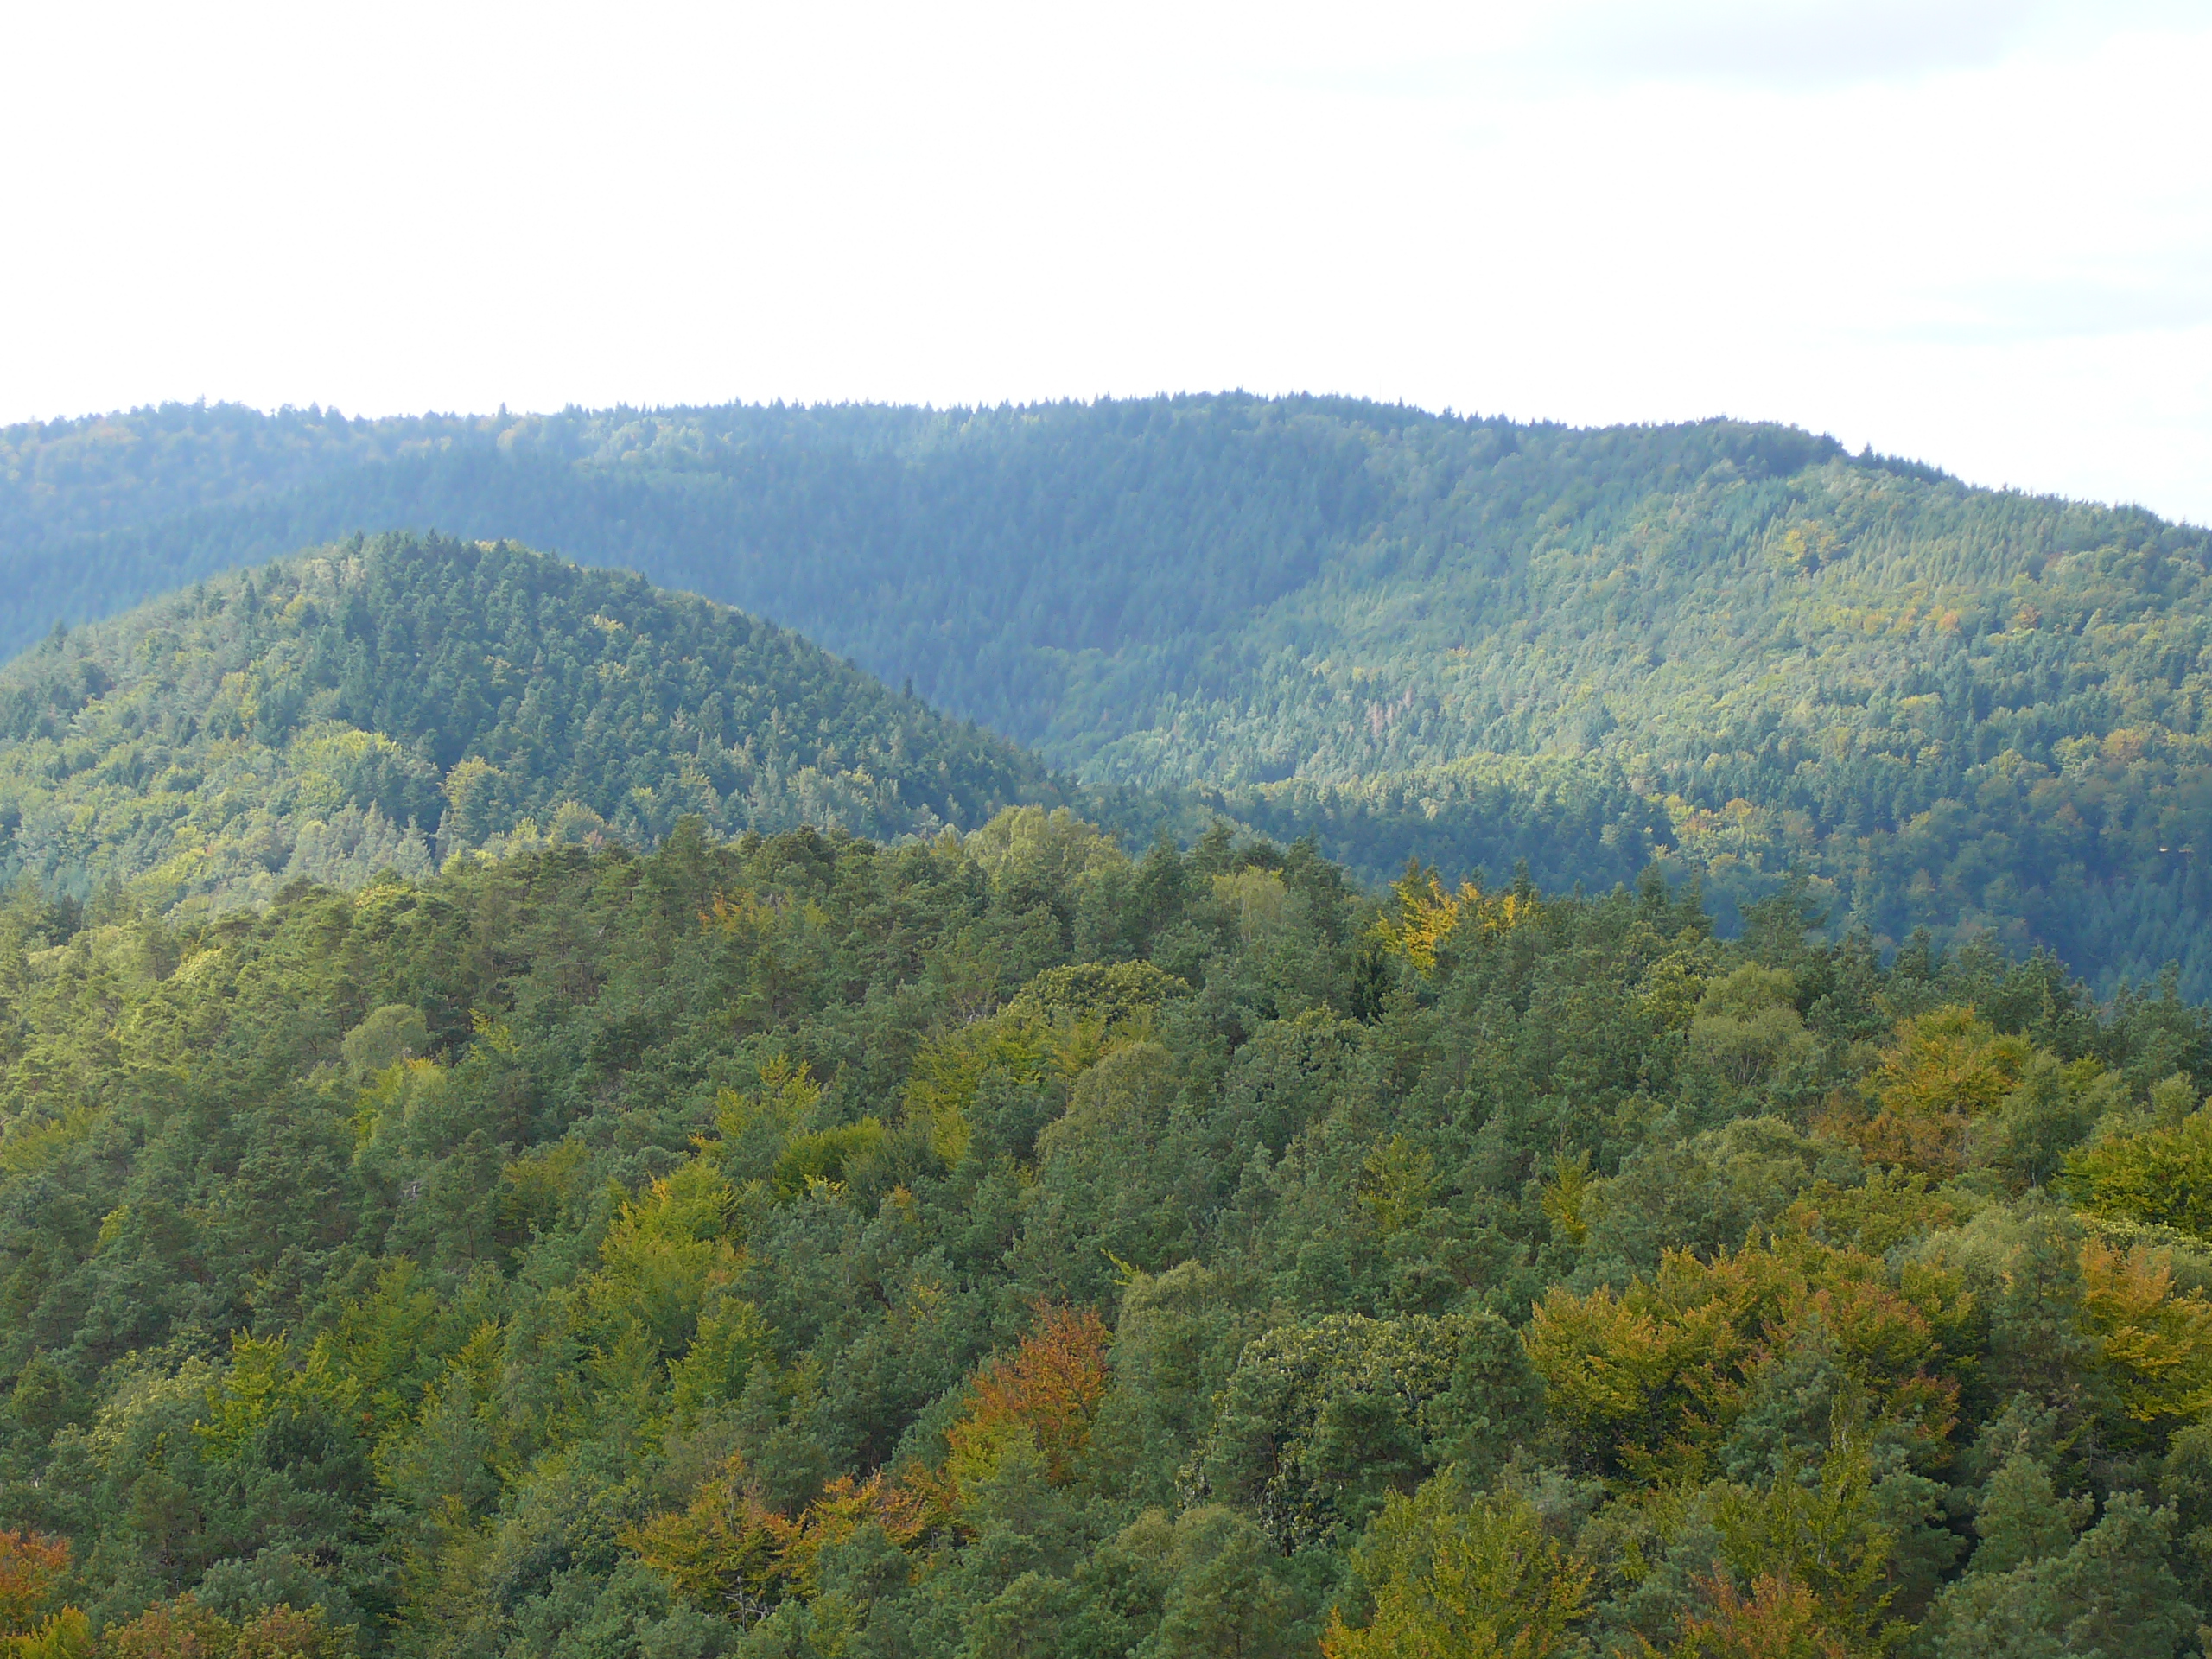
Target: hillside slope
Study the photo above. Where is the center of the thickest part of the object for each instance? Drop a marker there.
(1734, 648)
(388, 703)
(1001, 1247)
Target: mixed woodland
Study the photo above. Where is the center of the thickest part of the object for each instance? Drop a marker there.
(387, 704)
(999, 1244)
(546, 1118)
(1732, 649)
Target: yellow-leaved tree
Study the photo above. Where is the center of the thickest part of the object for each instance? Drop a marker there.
(1428, 916)
(1452, 1581)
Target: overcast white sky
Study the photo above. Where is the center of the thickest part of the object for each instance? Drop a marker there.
(1976, 231)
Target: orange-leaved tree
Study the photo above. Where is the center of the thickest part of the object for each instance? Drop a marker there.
(729, 1550)
(1780, 1619)
(1050, 1388)
(31, 1566)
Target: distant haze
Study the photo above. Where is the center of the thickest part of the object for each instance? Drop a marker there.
(1976, 233)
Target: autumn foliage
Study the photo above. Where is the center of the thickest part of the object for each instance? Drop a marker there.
(1428, 915)
(186, 1628)
(2156, 1341)
(1780, 1619)
(1661, 1371)
(1050, 1386)
(30, 1566)
(731, 1550)
(1947, 1070)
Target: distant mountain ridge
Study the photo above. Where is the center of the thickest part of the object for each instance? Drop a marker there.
(1732, 649)
(387, 702)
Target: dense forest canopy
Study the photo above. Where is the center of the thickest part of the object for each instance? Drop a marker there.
(996, 1245)
(391, 703)
(1732, 648)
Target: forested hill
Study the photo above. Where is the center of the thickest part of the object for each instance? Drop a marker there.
(1734, 648)
(387, 703)
(1001, 1248)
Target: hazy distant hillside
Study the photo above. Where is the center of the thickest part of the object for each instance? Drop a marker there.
(387, 703)
(1733, 648)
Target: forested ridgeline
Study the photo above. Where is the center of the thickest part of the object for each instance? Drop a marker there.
(389, 703)
(998, 1246)
(1734, 648)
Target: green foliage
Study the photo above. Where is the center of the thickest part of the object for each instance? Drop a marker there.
(2108, 1592)
(998, 1244)
(1114, 993)
(2162, 1175)
(1747, 1026)
(1823, 1530)
(389, 704)
(1446, 1581)
(1468, 642)
(1321, 1422)
(808, 1160)
(387, 1037)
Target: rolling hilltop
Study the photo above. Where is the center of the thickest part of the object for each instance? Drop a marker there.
(1733, 649)
(389, 703)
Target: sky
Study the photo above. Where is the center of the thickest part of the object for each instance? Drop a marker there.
(1977, 233)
